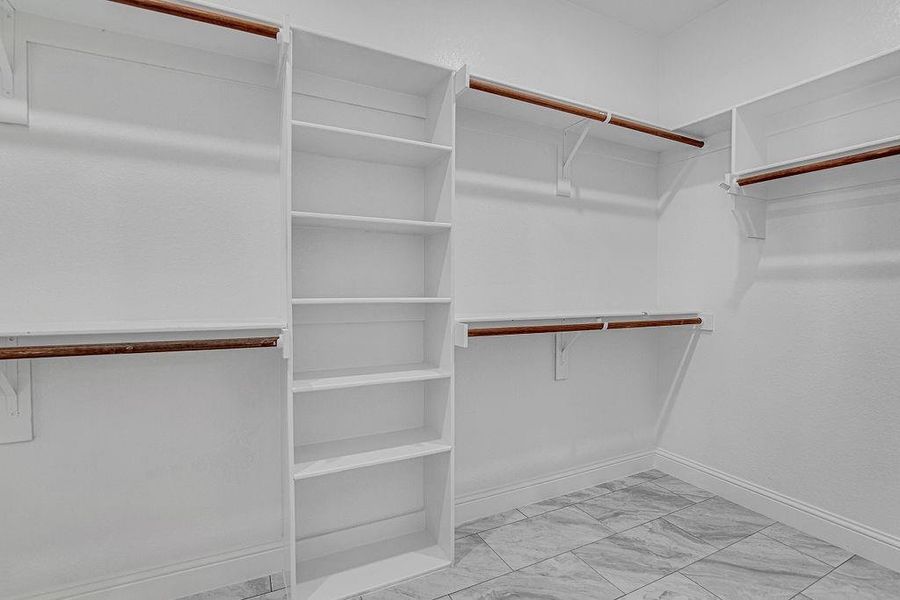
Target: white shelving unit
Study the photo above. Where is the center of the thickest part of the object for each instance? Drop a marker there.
(834, 116)
(368, 141)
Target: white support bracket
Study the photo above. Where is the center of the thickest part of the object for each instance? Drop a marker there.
(13, 77)
(461, 335)
(562, 345)
(749, 211)
(7, 48)
(565, 160)
(15, 398)
(285, 342)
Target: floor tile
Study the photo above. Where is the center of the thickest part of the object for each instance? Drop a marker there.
(276, 595)
(238, 591)
(544, 536)
(491, 522)
(859, 579)
(474, 563)
(683, 488)
(564, 577)
(649, 475)
(719, 522)
(633, 506)
(808, 544)
(755, 568)
(615, 486)
(539, 508)
(672, 587)
(644, 554)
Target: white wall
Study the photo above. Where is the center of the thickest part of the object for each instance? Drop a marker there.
(747, 48)
(796, 390)
(140, 193)
(521, 248)
(551, 45)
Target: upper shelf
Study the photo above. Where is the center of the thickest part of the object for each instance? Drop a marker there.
(364, 146)
(347, 61)
(168, 22)
(134, 327)
(482, 94)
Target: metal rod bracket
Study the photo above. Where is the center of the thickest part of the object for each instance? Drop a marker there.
(15, 398)
(562, 345)
(7, 48)
(749, 211)
(565, 159)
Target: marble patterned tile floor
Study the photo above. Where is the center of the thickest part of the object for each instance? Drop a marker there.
(649, 536)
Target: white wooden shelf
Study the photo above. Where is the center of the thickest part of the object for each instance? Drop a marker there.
(378, 224)
(369, 567)
(315, 381)
(397, 300)
(129, 327)
(502, 317)
(810, 158)
(364, 146)
(315, 460)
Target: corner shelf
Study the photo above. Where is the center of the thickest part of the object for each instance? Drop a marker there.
(378, 224)
(327, 458)
(369, 147)
(337, 379)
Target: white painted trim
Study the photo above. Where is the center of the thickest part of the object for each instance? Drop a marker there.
(868, 542)
(175, 581)
(491, 501)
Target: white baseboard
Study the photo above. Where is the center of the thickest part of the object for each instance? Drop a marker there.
(499, 499)
(175, 581)
(866, 541)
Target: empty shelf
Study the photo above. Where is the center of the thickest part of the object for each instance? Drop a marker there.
(314, 460)
(398, 300)
(360, 145)
(380, 224)
(369, 567)
(314, 381)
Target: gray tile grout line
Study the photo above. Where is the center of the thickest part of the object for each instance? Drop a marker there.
(763, 532)
(825, 575)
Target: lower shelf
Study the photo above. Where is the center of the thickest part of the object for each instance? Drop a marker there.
(315, 460)
(362, 569)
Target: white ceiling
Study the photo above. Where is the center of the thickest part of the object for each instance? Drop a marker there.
(656, 16)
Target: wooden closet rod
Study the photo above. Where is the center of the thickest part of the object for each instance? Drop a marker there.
(821, 165)
(490, 87)
(564, 327)
(27, 352)
(204, 16)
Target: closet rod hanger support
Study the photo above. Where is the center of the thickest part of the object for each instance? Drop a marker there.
(192, 13)
(7, 26)
(499, 89)
(62, 351)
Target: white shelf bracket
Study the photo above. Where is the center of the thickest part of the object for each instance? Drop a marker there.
(749, 211)
(13, 67)
(562, 345)
(461, 335)
(564, 160)
(7, 48)
(286, 344)
(15, 398)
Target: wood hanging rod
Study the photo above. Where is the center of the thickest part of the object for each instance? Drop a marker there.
(565, 327)
(821, 165)
(27, 352)
(491, 87)
(204, 16)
